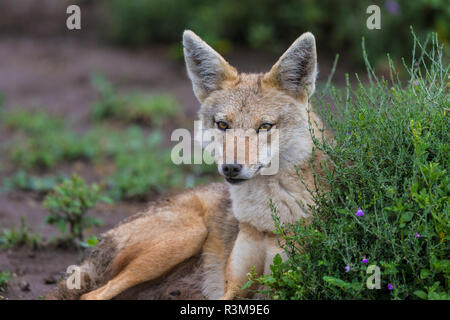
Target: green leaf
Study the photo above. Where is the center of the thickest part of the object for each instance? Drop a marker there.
(421, 294)
(406, 216)
(433, 296)
(92, 241)
(337, 282)
(61, 224)
(277, 260)
(106, 199)
(424, 273)
(248, 284)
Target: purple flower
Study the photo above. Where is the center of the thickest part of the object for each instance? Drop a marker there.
(393, 7)
(349, 133)
(359, 212)
(364, 260)
(416, 82)
(390, 286)
(418, 235)
(347, 268)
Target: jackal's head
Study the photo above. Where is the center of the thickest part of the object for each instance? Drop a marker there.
(256, 119)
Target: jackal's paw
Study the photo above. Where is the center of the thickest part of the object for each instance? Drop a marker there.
(227, 296)
(90, 296)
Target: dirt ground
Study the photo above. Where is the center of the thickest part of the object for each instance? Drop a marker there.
(53, 73)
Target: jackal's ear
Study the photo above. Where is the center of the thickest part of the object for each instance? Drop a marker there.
(295, 72)
(207, 69)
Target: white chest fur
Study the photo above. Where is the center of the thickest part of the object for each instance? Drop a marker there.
(251, 200)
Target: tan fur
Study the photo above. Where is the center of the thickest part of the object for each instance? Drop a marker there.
(229, 225)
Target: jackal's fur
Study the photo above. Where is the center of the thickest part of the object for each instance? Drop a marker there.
(224, 229)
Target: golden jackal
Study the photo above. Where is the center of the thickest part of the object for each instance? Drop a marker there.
(229, 224)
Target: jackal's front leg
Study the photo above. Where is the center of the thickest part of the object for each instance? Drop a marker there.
(248, 251)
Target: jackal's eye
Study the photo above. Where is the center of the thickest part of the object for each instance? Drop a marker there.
(265, 127)
(222, 125)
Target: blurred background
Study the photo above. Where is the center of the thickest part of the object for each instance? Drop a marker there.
(101, 102)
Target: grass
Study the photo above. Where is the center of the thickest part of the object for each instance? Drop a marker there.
(24, 181)
(19, 236)
(44, 141)
(4, 277)
(151, 110)
(388, 157)
(32, 122)
(143, 170)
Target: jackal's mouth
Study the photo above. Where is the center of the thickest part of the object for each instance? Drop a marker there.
(235, 181)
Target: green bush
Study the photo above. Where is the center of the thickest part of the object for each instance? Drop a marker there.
(388, 198)
(273, 24)
(68, 205)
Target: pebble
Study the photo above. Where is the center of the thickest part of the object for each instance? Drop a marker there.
(24, 286)
(50, 279)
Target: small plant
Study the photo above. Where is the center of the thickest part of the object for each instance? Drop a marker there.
(4, 277)
(2, 100)
(136, 108)
(90, 242)
(32, 122)
(26, 182)
(68, 205)
(152, 109)
(50, 148)
(109, 104)
(142, 167)
(21, 236)
(44, 141)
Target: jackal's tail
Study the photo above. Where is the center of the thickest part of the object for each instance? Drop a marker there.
(91, 274)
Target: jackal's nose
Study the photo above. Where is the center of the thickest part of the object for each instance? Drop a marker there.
(231, 170)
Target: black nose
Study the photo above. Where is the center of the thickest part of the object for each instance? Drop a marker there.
(231, 170)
